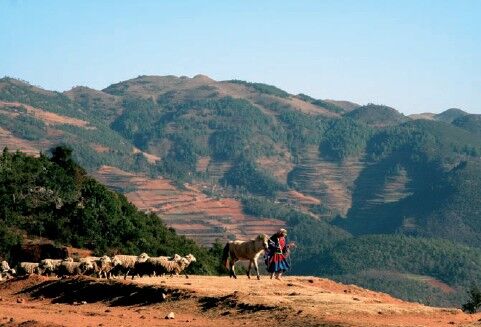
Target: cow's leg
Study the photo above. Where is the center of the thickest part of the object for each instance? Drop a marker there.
(249, 269)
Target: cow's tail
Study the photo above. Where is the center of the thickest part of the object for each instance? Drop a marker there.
(225, 256)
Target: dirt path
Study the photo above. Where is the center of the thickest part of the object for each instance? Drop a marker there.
(211, 301)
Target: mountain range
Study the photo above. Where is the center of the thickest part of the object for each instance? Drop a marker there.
(370, 195)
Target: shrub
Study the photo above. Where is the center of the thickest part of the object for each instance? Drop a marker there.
(474, 301)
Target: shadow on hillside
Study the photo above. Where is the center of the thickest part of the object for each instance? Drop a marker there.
(231, 302)
(113, 293)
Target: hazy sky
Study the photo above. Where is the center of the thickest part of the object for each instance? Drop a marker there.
(415, 56)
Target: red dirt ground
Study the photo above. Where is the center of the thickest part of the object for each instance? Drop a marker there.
(211, 301)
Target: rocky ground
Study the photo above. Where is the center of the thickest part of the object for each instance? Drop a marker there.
(210, 301)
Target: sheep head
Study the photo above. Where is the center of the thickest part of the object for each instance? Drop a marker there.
(190, 258)
(142, 257)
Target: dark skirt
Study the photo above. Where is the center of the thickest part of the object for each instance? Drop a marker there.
(277, 263)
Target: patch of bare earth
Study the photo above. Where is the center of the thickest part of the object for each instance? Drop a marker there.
(47, 117)
(425, 115)
(99, 148)
(202, 164)
(442, 286)
(211, 301)
(309, 108)
(242, 91)
(8, 140)
(150, 157)
(302, 199)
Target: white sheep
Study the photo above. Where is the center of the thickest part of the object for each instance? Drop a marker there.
(104, 267)
(163, 265)
(89, 259)
(152, 266)
(183, 263)
(125, 263)
(51, 266)
(6, 271)
(70, 268)
(4, 267)
(28, 268)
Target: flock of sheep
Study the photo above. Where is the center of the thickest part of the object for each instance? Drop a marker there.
(102, 266)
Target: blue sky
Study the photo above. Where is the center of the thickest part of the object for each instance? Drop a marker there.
(416, 56)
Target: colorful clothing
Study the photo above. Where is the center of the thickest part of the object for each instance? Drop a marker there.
(276, 256)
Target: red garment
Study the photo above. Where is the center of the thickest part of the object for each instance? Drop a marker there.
(282, 245)
(276, 260)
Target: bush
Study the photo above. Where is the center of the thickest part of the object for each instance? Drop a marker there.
(474, 301)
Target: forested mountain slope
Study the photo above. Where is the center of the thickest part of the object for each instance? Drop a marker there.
(471, 123)
(52, 197)
(211, 156)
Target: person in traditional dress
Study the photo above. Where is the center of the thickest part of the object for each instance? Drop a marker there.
(276, 255)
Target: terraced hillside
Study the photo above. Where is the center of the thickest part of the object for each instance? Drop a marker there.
(189, 211)
(315, 154)
(395, 188)
(374, 188)
(329, 181)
